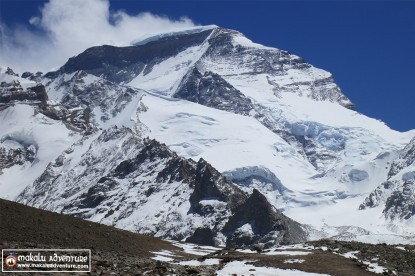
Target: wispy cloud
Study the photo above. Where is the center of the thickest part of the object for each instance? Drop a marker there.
(67, 27)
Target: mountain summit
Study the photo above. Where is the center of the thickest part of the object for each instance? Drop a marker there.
(205, 136)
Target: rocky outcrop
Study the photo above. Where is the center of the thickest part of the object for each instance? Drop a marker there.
(256, 221)
(77, 119)
(397, 194)
(13, 91)
(9, 71)
(379, 195)
(16, 89)
(36, 77)
(16, 156)
(209, 184)
(401, 203)
(405, 159)
(210, 89)
(102, 98)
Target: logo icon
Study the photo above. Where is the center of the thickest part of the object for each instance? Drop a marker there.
(10, 261)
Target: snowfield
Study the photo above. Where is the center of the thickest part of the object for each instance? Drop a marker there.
(231, 142)
(23, 127)
(242, 268)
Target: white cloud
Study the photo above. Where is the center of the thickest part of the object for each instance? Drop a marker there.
(68, 27)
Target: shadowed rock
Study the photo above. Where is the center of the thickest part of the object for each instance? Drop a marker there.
(265, 222)
(210, 89)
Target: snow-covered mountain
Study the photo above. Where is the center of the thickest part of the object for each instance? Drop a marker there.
(397, 194)
(138, 184)
(34, 131)
(280, 130)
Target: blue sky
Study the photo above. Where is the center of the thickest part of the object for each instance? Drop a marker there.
(369, 46)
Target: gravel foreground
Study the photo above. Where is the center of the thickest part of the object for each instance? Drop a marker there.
(119, 252)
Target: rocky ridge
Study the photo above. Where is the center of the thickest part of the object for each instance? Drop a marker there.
(121, 174)
(397, 194)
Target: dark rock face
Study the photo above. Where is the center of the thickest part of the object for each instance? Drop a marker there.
(398, 192)
(96, 194)
(11, 157)
(210, 184)
(375, 197)
(27, 75)
(74, 119)
(175, 169)
(122, 64)
(203, 236)
(401, 204)
(10, 92)
(205, 186)
(210, 89)
(405, 159)
(9, 71)
(264, 221)
(37, 77)
(255, 210)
